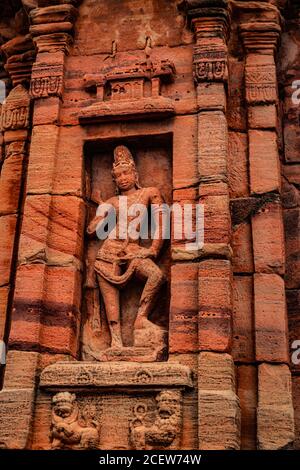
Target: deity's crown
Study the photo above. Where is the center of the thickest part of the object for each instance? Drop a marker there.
(123, 156)
(63, 397)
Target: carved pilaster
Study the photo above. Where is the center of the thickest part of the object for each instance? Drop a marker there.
(260, 38)
(210, 20)
(14, 124)
(52, 30)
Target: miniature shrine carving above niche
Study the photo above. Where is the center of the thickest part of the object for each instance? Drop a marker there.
(129, 91)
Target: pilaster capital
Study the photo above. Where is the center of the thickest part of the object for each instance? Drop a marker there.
(52, 25)
(208, 18)
(20, 56)
(260, 36)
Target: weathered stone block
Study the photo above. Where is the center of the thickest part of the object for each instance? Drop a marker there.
(52, 230)
(237, 109)
(187, 199)
(296, 402)
(270, 318)
(292, 240)
(217, 223)
(262, 116)
(10, 184)
(243, 319)
(268, 239)
(292, 142)
(4, 291)
(242, 261)
(264, 162)
(247, 393)
(211, 96)
(46, 314)
(185, 137)
(219, 408)
(275, 413)
(215, 305)
(42, 159)
(46, 111)
(293, 303)
(213, 142)
(16, 412)
(7, 238)
(21, 369)
(238, 164)
(69, 177)
(183, 333)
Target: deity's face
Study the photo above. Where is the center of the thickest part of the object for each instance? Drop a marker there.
(125, 177)
(63, 409)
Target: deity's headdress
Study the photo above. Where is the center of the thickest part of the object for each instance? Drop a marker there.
(123, 157)
(63, 397)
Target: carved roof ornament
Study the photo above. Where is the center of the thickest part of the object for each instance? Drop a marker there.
(121, 91)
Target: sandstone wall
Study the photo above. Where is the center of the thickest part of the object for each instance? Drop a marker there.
(229, 139)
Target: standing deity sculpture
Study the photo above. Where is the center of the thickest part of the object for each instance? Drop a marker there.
(122, 258)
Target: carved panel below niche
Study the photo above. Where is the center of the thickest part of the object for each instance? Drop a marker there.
(96, 405)
(129, 91)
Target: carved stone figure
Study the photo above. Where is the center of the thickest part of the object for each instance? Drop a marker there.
(166, 427)
(122, 258)
(66, 431)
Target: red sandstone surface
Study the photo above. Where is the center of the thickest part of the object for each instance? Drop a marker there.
(203, 95)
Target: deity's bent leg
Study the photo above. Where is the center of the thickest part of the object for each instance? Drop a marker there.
(111, 298)
(148, 270)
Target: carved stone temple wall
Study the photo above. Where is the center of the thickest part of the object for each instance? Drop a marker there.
(198, 98)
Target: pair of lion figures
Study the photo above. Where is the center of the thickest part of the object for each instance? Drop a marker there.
(69, 432)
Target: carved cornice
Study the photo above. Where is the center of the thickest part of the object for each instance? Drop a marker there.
(105, 375)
